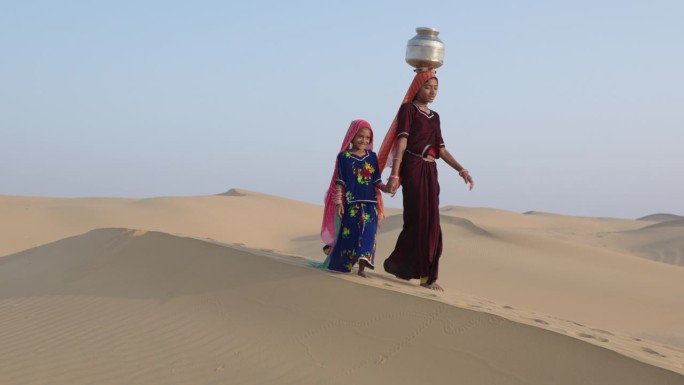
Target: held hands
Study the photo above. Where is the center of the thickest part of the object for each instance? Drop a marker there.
(467, 178)
(392, 185)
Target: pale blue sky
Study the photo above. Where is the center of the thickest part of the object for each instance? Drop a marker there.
(571, 107)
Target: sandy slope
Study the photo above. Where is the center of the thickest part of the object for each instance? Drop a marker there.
(119, 306)
(152, 303)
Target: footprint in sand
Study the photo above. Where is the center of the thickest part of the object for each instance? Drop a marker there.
(602, 332)
(540, 321)
(651, 351)
(585, 335)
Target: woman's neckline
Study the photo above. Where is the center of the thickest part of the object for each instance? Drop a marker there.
(429, 115)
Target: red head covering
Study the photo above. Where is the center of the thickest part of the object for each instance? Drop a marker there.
(328, 234)
(388, 149)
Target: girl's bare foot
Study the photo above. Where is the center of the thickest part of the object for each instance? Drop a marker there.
(362, 267)
(432, 286)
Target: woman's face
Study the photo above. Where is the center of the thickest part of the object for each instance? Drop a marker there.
(427, 92)
(362, 139)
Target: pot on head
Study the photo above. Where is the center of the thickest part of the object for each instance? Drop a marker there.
(425, 50)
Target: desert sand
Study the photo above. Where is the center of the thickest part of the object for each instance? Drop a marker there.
(217, 290)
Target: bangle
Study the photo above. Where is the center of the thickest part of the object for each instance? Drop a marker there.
(393, 177)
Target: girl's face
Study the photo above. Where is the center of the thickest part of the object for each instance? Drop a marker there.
(427, 92)
(362, 139)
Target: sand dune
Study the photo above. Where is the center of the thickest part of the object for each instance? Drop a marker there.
(672, 223)
(215, 289)
(662, 242)
(238, 217)
(661, 217)
(128, 306)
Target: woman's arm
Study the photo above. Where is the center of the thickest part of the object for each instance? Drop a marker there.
(451, 161)
(393, 182)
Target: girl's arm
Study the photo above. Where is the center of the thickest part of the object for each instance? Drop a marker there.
(339, 202)
(451, 161)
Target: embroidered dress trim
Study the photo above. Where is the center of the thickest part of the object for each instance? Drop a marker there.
(362, 201)
(357, 158)
(419, 155)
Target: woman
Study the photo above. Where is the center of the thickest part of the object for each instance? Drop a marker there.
(414, 142)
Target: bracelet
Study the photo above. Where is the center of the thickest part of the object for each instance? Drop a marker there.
(393, 177)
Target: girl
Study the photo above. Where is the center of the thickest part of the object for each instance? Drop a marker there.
(353, 204)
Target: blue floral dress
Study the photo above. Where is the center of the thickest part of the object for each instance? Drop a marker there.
(358, 227)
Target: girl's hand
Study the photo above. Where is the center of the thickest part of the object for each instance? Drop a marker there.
(340, 209)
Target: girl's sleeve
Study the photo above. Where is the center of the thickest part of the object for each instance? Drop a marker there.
(341, 170)
(405, 120)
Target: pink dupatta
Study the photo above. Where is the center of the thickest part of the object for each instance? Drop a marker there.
(328, 231)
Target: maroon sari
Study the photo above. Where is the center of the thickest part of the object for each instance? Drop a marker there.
(419, 246)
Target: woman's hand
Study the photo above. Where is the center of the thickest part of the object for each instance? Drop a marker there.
(467, 178)
(392, 185)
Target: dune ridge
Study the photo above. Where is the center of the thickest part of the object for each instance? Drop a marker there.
(660, 217)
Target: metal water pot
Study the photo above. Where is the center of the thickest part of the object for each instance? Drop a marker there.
(425, 50)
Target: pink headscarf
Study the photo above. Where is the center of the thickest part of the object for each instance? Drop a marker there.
(388, 149)
(328, 234)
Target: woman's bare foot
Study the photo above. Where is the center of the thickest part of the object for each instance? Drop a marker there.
(432, 286)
